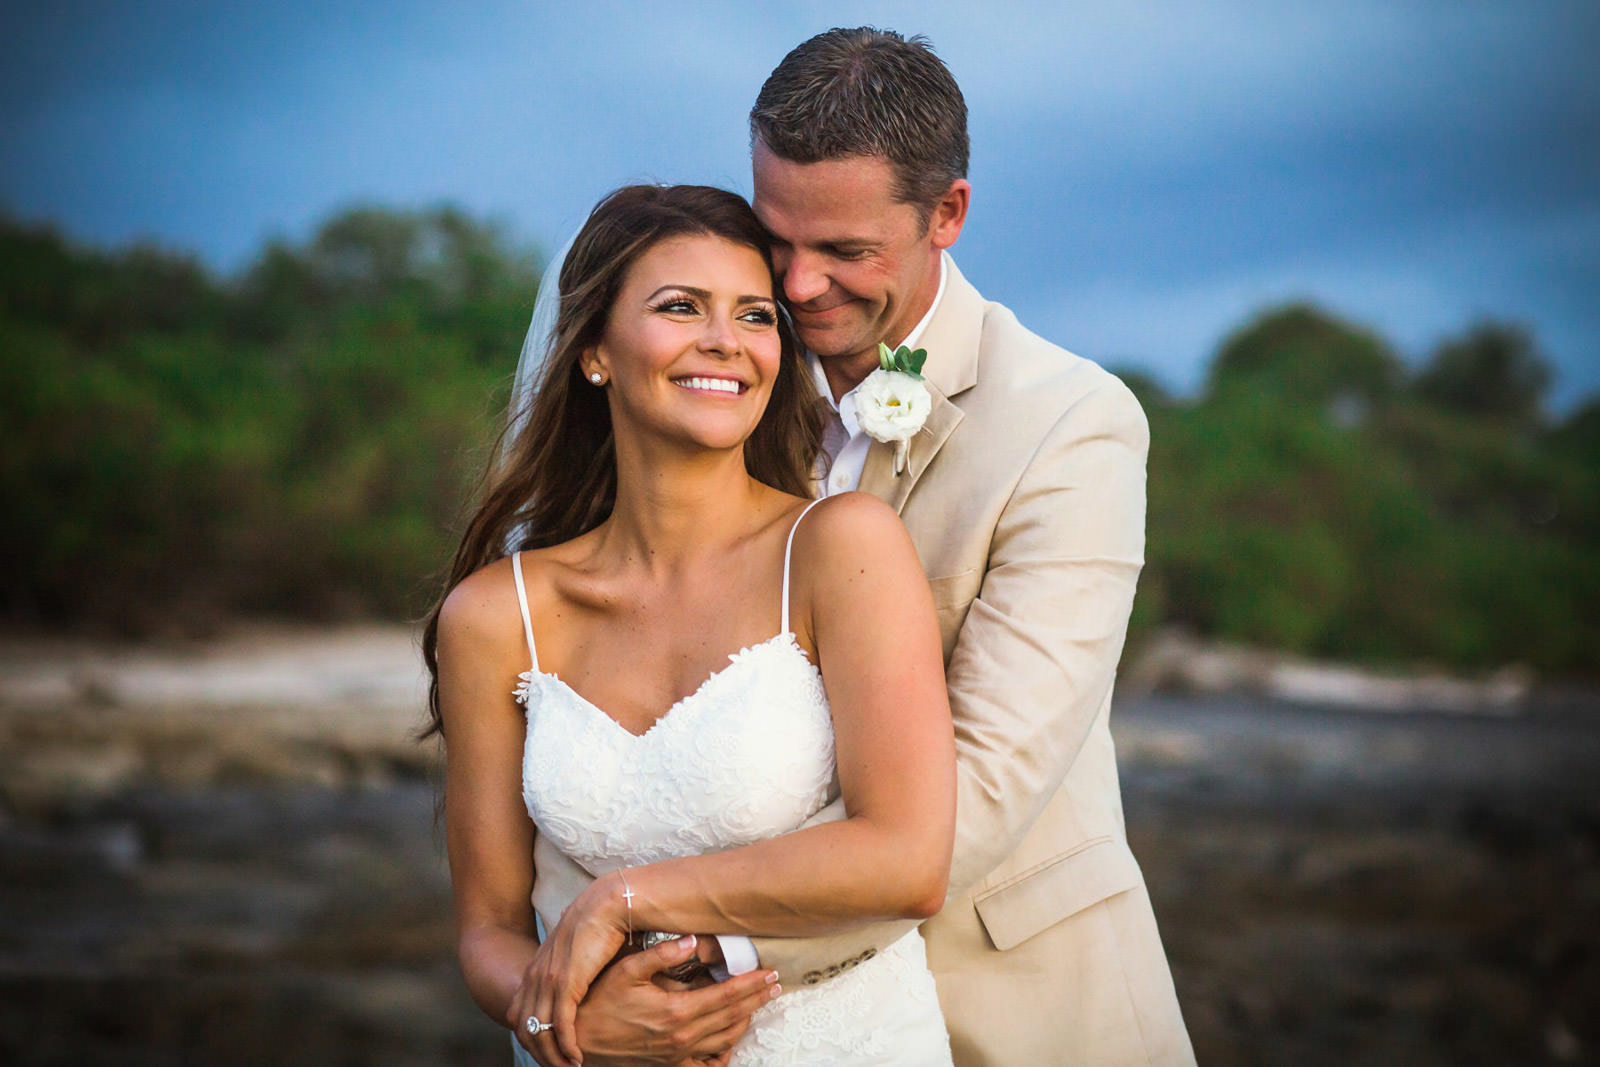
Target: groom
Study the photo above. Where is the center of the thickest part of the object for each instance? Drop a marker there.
(1024, 493)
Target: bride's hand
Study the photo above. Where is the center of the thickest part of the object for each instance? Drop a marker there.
(591, 931)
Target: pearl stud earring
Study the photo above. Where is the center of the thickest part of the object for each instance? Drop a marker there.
(597, 377)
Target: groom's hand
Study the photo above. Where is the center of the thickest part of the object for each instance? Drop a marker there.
(631, 1017)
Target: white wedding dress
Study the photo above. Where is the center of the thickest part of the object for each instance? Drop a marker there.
(748, 755)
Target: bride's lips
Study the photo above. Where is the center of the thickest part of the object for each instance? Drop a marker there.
(711, 385)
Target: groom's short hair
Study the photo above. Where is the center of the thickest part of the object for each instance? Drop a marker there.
(868, 92)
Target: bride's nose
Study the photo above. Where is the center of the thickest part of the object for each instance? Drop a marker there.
(719, 336)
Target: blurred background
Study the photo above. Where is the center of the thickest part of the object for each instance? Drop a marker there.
(264, 273)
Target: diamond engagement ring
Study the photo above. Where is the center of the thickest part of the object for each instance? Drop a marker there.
(535, 1027)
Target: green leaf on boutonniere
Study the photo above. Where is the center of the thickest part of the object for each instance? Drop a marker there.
(903, 359)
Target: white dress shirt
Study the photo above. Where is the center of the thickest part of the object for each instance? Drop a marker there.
(842, 440)
(846, 446)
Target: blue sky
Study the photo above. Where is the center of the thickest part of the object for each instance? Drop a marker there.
(1145, 175)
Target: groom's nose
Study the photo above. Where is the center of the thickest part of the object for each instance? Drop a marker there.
(803, 280)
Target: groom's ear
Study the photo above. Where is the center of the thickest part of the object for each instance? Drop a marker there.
(949, 214)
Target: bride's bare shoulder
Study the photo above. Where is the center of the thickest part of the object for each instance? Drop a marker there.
(852, 528)
(850, 514)
(483, 606)
(486, 600)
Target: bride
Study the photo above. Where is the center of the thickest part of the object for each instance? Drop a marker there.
(705, 656)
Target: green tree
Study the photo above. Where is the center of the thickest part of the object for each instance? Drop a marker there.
(1304, 356)
(298, 441)
(100, 298)
(1494, 371)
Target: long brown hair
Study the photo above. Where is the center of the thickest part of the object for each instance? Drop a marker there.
(557, 477)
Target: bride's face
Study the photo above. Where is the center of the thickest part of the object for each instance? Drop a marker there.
(690, 348)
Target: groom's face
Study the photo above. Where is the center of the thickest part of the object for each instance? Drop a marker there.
(858, 267)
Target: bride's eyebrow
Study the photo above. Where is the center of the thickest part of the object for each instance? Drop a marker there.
(705, 294)
(675, 287)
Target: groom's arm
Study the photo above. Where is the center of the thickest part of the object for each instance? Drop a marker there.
(1037, 653)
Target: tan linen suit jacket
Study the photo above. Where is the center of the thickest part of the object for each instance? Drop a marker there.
(1024, 494)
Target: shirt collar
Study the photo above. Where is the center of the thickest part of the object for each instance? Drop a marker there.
(915, 335)
(910, 340)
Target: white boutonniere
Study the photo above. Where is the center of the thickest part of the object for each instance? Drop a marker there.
(892, 402)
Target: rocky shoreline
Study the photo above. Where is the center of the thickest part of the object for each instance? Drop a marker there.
(266, 705)
(1173, 661)
(338, 707)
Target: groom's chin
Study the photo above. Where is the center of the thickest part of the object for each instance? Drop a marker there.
(827, 343)
(830, 330)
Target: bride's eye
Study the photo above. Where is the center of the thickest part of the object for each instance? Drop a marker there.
(761, 316)
(676, 305)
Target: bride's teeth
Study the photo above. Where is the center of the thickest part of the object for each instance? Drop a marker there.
(718, 385)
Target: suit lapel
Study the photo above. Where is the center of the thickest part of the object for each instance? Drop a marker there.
(952, 340)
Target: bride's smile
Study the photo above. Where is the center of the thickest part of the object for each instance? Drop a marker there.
(712, 384)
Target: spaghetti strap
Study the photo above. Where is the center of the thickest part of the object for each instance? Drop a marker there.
(522, 602)
(783, 620)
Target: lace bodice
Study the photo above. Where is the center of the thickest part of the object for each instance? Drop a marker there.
(747, 756)
(714, 772)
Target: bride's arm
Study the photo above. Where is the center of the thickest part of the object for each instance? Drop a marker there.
(489, 836)
(860, 587)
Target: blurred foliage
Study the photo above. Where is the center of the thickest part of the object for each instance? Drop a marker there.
(299, 441)
(1305, 357)
(1493, 372)
(295, 441)
(1319, 500)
